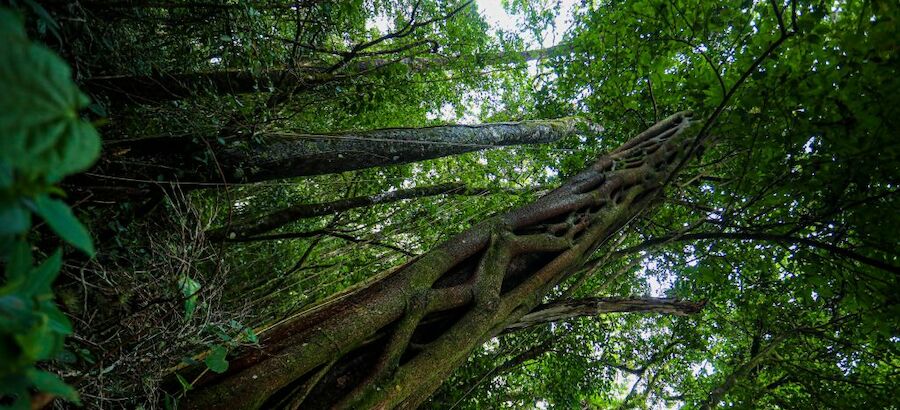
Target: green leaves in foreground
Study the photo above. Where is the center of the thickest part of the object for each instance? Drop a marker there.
(63, 222)
(32, 328)
(42, 139)
(43, 135)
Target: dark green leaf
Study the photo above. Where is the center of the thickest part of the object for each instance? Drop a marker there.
(52, 384)
(216, 359)
(59, 216)
(39, 280)
(19, 261)
(189, 289)
(14, 218)
(42, 132)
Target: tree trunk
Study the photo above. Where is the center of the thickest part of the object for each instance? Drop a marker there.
(288, 155)
(390, 343)
(146, 89)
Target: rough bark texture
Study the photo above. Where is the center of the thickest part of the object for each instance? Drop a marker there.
(248, 228)
(287, 155)
(390, 343)
(154, 88)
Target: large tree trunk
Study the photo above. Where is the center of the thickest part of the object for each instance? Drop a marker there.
(287, 155)
(392, 342)
(144, 89)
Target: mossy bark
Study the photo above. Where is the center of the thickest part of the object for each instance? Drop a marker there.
(391, 342)
(285, 155)
(288, 155)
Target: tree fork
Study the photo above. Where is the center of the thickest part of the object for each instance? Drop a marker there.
(497, 271)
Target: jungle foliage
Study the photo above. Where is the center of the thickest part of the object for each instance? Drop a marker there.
(768, 259)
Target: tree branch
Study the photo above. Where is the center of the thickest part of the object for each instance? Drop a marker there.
(762, 236)
(565, 310)
(250, 229)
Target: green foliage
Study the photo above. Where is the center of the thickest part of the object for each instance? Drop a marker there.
(33, 328)
(189, 289)
(807, 150)
(60, 218)
(44, 139)
(216, 361)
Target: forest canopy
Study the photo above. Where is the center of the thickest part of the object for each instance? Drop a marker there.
(539, 204)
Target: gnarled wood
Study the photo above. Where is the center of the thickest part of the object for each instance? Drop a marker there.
(496, 272)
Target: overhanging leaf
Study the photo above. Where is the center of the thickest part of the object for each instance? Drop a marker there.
(59, 216)
(39, 280)
(51, 383)
(42, 132)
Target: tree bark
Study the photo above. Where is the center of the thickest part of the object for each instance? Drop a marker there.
(248, 228)
(158, 87)
(391, 342)
(288, 155)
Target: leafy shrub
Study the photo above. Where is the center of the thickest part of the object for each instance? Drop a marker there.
(42, 139)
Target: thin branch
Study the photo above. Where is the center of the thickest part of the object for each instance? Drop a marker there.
(762, 236)
(569, 309)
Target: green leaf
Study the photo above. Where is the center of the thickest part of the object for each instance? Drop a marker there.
(16, 387)
(56, 320)
(40, 342)
(6, 176)
(51, 383)
(185, 385)
(59, 216)
(216, 359)
(38, 281)
(11, 27)
(251, 335)
(16, 314)
(189, 289)
(19, 262)
(13, 218)
(42, 132)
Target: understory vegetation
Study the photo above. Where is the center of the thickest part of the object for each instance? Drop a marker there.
(449, 205)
